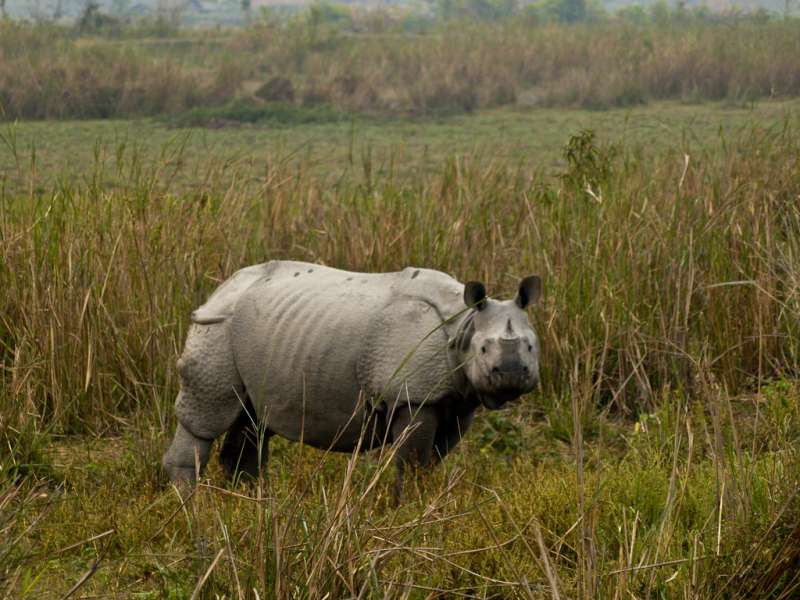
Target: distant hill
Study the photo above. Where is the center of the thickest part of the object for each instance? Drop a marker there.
(232, 12)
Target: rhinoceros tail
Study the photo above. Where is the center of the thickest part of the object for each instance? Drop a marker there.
(204, 318)
(220, 305)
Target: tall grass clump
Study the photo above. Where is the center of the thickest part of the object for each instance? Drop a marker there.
(45, 73)
(461, 68)
(50, 72)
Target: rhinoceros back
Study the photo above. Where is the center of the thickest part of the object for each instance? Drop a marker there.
(302, 336)
(219, 307)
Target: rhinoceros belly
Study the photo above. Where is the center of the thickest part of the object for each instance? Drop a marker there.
(297, 341)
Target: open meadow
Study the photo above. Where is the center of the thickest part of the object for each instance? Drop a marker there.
(659, 458)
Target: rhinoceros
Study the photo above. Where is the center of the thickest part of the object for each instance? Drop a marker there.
(343, 361)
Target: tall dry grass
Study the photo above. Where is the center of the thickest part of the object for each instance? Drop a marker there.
(671, 298)
(48, 73)
(656, 272)
(460, 68)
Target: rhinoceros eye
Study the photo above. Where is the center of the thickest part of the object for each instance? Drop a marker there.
(483, 349)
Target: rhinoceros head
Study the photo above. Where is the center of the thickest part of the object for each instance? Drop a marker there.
(497, 345)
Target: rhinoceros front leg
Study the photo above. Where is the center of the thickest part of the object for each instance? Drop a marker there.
(449, 434)
(413, 429)
(246, 447)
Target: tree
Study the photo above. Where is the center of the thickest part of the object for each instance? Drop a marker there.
(120, 7)
(572, 11)
(88, 20)
(564, 11)
(171, 11)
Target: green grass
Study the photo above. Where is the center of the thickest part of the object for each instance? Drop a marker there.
(272, 114)
(471, 526)
(74, 151)
(659, 458)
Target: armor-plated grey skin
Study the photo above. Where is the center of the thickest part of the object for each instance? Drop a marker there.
(342, 360)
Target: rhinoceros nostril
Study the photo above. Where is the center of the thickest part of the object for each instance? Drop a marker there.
(525, 369)
(495, 370)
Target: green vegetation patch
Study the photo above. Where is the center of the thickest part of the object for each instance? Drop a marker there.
(272, 114)
(40, 155)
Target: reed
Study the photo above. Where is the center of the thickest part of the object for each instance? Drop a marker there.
(658, 458)
(50, 73)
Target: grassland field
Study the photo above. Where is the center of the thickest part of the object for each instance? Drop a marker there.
(42, 153)
(659, 459)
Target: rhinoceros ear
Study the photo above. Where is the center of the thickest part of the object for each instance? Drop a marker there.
(475, 294)
(529, 291)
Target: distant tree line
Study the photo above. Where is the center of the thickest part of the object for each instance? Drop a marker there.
(581, 11)
(94, 15)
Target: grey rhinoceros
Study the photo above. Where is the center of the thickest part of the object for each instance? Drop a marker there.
(343, 360)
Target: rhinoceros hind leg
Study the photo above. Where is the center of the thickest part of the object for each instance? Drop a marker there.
(186, 456)
(245, 449)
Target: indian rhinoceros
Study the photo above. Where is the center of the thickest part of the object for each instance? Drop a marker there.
(344, 361)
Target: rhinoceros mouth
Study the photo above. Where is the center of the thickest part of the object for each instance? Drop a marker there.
(497, 399)
(505, 388)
